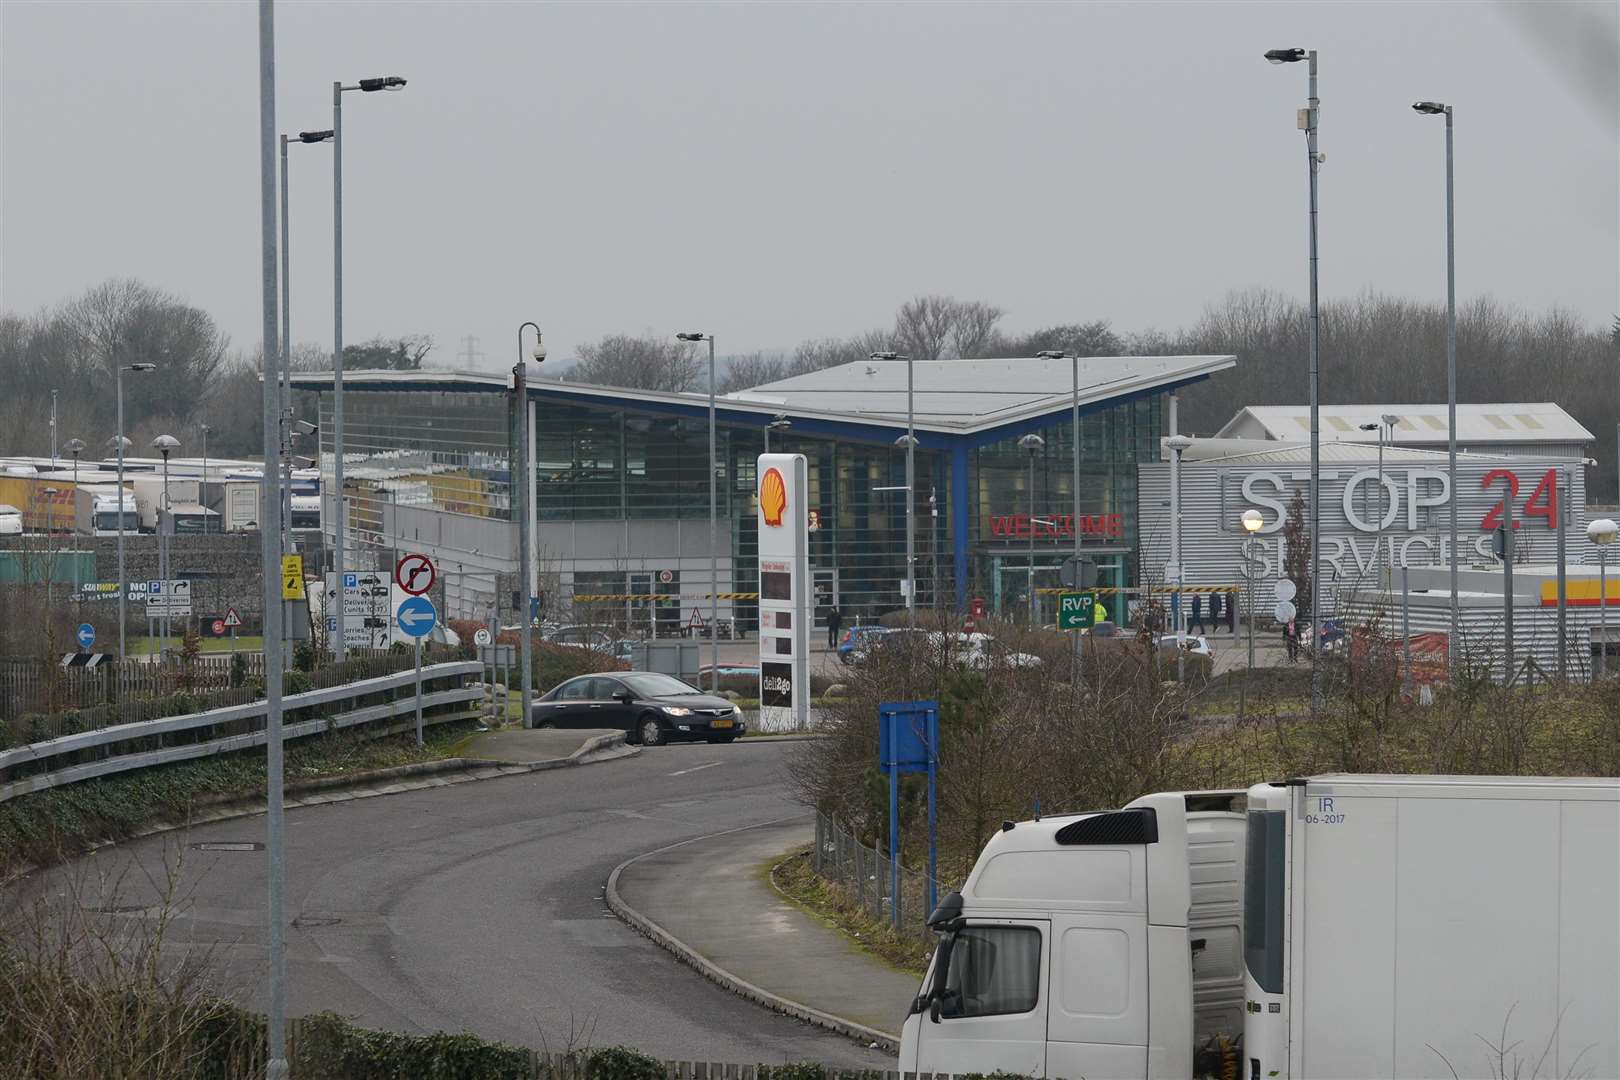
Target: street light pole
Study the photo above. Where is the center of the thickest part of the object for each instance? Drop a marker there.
(714, 534)
(76, 447)
(276, 1067)
(165, 444)
(284, 375)
(391, 82)
(1435, 108)
(1309, 121)
(1033, 444)
(911, 485)
(1253, 522)
(123, 587)
(523, 477)
(1177, 443)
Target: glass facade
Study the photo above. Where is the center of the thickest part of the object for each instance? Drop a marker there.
(609, 462)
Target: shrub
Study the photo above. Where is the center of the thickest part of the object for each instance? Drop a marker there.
(623, 1063)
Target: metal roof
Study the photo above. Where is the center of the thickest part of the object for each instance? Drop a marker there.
(1260, 452)
(952, 397)
(1498, 422)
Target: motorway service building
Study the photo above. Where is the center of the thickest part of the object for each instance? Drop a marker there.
(622, 506)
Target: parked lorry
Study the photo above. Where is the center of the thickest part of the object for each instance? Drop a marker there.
(1333, 926)
(95, 510)
(149, 497)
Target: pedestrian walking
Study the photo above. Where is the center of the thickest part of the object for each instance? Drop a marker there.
(1215, 609)
(1231, 614)
(835, 619)
(1196, 625)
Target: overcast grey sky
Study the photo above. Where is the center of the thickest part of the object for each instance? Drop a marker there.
(774, 172)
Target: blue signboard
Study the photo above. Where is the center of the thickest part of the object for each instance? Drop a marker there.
(908, 741)
(416, 616)
(87, 635)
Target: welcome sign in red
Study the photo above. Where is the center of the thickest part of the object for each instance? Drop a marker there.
(1056, 525)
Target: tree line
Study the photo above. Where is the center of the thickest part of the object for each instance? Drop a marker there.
(1374, 349)
(77, 347)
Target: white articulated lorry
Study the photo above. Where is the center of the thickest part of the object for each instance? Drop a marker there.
(1332, 927)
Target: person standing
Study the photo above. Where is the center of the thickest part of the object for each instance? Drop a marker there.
(835, 619)
(1196, 623)
(1231, 614)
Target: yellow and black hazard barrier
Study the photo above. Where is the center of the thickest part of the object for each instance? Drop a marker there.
(1162, 590)
(593, 598)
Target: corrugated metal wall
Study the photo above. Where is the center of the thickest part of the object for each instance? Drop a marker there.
(1213, 499)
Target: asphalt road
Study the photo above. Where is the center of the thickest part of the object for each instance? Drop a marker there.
(479, 907)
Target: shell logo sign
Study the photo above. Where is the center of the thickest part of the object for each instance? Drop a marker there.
(772, 497)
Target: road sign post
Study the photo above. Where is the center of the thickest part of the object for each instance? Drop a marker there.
(86, 635)
(1077, 610)
(416, 617)
(908, 741)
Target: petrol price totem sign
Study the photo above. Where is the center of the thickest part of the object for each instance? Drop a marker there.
(784, 593)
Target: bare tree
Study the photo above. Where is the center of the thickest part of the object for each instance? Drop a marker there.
(923, 327)
(974, 328)
(743, 372)
(645, 363)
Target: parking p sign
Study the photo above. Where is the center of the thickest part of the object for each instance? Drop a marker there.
(1076, 610)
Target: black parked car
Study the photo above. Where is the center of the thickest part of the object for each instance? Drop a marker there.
(652, 708)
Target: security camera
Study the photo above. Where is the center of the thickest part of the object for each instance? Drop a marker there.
(539, 350)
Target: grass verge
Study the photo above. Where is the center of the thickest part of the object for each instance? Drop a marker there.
(796, 881)
(56, 824)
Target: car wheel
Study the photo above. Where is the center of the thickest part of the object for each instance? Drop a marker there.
(546, 724)
(651, 733)
(722, 738)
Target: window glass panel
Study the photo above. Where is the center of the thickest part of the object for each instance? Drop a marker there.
(994, 970)
(578, 690)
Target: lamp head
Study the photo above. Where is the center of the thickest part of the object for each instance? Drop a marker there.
(539, 352)
(1429, 108)
(1252, 520)
(1602, 531)
(692, 335)
(1390, 418)
(75, 447)
(905, 441)
(1368, 426)
(165, 445)
(889, 356)
(1052, 354)
(1178, 443)
(1032, 442)
(141, 367)
(387, 82)
(1285, 56)
(314, 136)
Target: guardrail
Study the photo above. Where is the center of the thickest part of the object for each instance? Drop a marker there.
(445, 697)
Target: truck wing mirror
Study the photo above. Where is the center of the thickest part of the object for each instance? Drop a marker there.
(933, 1009)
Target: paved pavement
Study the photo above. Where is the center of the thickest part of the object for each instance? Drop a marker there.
(711, 895)
(532, 746)
(480, 907)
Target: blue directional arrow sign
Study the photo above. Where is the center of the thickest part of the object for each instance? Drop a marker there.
(87, 635)
(416, 616)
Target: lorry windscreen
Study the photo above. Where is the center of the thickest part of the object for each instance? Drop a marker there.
(1263, 899)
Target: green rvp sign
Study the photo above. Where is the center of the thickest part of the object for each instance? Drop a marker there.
(1076, 610)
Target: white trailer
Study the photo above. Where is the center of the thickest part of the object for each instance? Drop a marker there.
(1386, 926)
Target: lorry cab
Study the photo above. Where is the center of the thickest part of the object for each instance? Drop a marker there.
(1090, 945)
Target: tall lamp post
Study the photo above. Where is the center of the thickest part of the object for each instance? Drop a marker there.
(118, 382)
(1074, 482)
(366, 86)
(1033, 443)
(76, 447)
(1253, 522)
(1435, 108)
(1385, 427)
(1308, 122)
(1602, 533)
(779, 422)
(1178, 445)
(911, 484)
(714, 528)
(165, 445)
(284, 375)
(202, 486)
(523, 507)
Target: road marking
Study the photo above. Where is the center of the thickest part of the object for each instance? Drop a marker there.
(695, 768)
